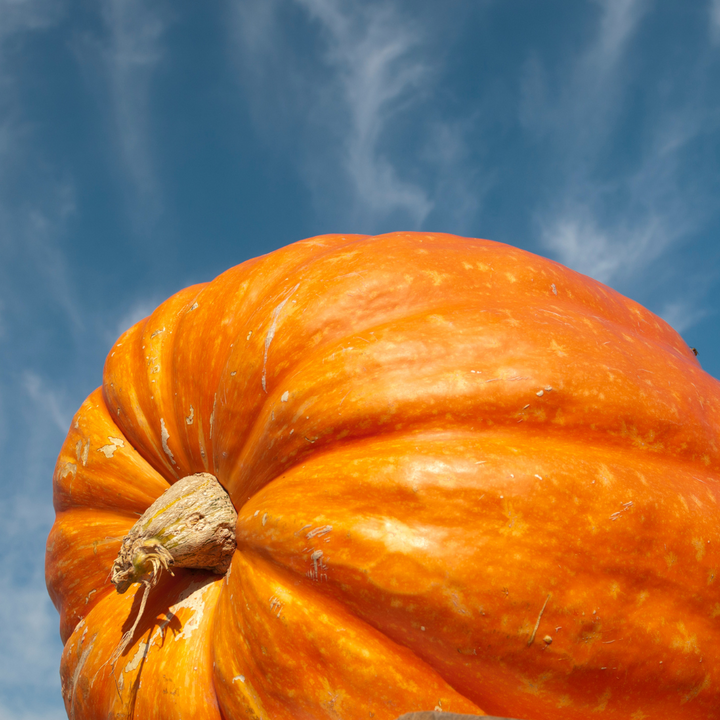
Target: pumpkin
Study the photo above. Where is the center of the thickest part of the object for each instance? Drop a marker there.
(466, 478)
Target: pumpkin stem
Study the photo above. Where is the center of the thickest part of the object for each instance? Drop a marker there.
(148, 558)
(191, 525)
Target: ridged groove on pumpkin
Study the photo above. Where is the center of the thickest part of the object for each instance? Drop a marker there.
(191, 525)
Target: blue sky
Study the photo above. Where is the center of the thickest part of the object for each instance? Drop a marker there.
(145, 146)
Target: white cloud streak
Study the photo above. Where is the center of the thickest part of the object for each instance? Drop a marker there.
(29, 627)
(682, 314)
(133, 53)
(47, 401)
(34, 283)
(29, 682)
(121, 65)
(371, 73)
(370, 49)
(19, 16)
(139, 310)
(714, 13)
(580, 115)
(618, 23)
(616, 228)
(28, 233)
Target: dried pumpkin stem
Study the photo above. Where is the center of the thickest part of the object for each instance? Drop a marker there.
(191, 525)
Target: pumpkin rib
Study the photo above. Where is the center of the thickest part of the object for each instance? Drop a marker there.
(258, 410)
(361, 667)
(509, 431)
(174, 628)
(231, 289)
(261, 432)
(136, 371)
(77, 556)
(98, 467)
(421, 426)
(270, 529)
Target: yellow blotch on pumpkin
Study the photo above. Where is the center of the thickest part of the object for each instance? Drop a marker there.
(436, 277)
(685, 641)
(603, 701)
(605, 476)
(515, 525)
(559, 350)
(699, 546)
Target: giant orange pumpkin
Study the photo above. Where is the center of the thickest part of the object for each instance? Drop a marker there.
(467, 478)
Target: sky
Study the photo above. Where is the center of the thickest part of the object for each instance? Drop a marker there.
(149, 145)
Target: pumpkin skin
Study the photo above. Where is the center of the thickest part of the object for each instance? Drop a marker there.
(442, 451)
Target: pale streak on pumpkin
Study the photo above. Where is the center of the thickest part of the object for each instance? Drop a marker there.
(399, 537)
(139, 655)
(109, 449)
(271, 334)
(165, 437)
(82, 450)
(394, 426)
(192, 598)
(212, 415)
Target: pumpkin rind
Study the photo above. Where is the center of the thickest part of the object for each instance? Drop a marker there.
(444, 450)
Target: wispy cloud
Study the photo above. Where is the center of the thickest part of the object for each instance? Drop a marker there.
(618, 22)
(47, 401)
(371, 51)
(25, 15)
(29, 682)
(37, 298)
(30, 237)
(29, 227)
(28, 663)
(714, 11)
(577, 108)
(373, 69)
(682, 314)
(122, 65)
(137, 311)
(616, 227)
(133, 53)
(612, 229)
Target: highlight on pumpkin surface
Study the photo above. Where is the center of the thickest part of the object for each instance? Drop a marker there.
(411, 473)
